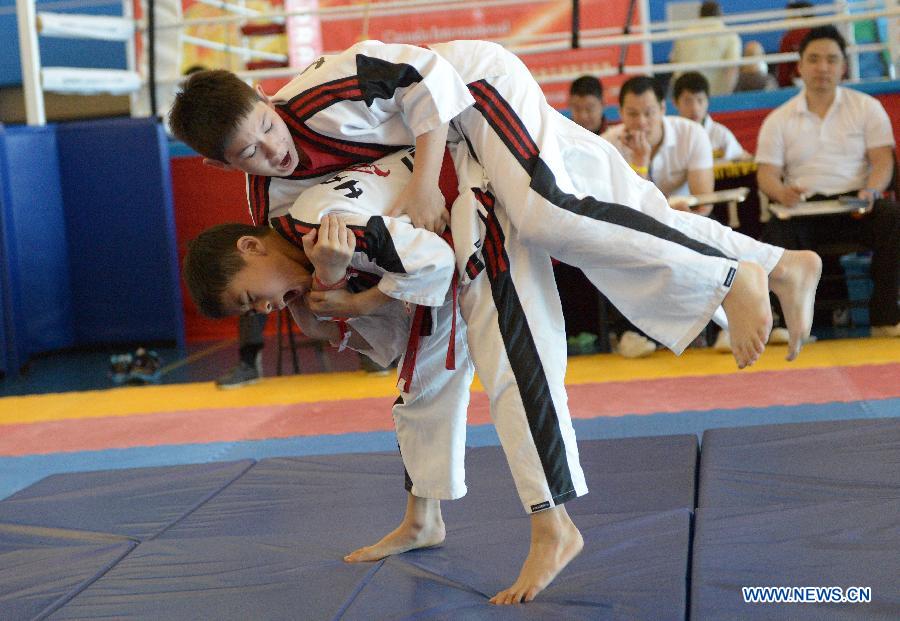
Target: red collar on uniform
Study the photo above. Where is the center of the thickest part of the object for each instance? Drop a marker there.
(320, 161)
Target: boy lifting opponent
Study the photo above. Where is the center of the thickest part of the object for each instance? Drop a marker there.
(667, 273)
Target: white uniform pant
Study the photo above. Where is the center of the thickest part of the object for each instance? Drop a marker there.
(517, 340)
(668, 281)
(430, 417)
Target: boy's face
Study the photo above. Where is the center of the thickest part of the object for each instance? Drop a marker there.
(268, 281)
(692, 106)
(587, 111)
(262, 144)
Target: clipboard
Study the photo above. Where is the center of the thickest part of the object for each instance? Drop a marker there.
(845, 204)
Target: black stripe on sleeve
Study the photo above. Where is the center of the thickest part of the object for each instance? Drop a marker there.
(380, 246)
(380, 79)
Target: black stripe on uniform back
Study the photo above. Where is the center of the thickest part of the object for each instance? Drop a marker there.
(380, 246)
(527, 368)
(543, 181)
(380, 79)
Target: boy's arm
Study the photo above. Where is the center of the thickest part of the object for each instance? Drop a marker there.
(325, 330)
(422, 200)
(343, 303)
(415, 265)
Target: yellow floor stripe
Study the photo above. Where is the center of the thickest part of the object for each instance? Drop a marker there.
(357, 385)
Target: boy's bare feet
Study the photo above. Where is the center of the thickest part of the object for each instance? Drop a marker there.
(422, 527)
(749, 314)
(794, 280)
(555, 541)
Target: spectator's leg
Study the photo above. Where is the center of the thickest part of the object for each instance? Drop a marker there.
(881, 232)
(248, 370)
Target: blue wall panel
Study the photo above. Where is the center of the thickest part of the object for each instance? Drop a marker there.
(35, 246)
(121, 230)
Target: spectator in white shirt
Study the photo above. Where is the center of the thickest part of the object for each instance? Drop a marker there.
(691, 96)
(830, 141)
(672, 152)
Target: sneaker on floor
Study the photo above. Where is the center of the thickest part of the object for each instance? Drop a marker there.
(779, 336)
(582, 343)
(241, 374)
(886, 331)
(723, 342)
(119, 367)
(146, 367)
(634, 345)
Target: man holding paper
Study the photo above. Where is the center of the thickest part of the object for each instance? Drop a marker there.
(824, 144)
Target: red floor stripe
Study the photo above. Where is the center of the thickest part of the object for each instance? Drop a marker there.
(364, 415)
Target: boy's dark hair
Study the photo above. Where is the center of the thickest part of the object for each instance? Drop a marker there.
(824, 32)
(208, 109)
(710, 9)
(692, 82)
(639, 85)
(587, 85)
(211, 262)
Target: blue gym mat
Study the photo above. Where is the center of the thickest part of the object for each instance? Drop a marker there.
(800, 462)
(798, 505)
(264, 540)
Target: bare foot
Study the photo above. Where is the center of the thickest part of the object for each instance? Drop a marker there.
(555, 541)
(422, 527)
(794, 280)
(749, 314)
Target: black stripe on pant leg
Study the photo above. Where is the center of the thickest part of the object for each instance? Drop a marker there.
(407, 481)
(543, 181)
(528, 370)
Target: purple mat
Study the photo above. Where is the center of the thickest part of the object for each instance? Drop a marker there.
(838, 543)
(265, 540)
(800, 463)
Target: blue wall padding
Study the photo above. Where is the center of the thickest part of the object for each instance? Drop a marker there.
(121, 230)
(40, 570)
(35, 245)
(800, 463)
(838, 543)
(7, 298)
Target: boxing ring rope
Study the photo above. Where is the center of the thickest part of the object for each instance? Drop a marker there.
(126, 29)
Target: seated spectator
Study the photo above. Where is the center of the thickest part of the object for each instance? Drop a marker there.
(790, 42)
(831, 141)
(586, 103)
(672, 152)
(691, 96)
(717, 45)
(755, 77)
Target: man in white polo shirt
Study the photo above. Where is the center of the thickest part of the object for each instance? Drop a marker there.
(673, 153)
(830, 141)
(691, 96)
